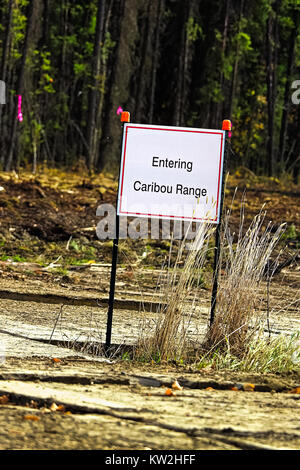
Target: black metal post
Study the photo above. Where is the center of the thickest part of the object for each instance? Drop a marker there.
(125, 117)
(216, 268)
(112, 286)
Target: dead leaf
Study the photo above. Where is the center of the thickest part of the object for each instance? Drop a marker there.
(236, 387)
(248, 387)
(169, 392)
(56, 360)
(4, 399)
(45, 410)
(176, 386)
(32, 417)
(209, 389)
(295, 390)
(32, 404)
(61, 408)
(53, 407)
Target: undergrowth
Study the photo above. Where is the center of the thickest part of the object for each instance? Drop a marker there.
(279, 354)
(239, 337)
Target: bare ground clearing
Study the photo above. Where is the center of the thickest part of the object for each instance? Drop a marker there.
(124, 406)
(115, 404)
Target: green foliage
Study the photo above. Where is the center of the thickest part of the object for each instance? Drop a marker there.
(193, 30)
(107, 47)
(277, 355)
(291, 234)
(15, 258)
(217, 70)
(79, 69)
(19, 20)
(244, 42)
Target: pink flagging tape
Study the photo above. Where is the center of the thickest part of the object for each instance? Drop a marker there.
(20, 115)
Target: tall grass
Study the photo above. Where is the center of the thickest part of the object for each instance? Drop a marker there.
(245, 265)
(234, 336)
(178, 284)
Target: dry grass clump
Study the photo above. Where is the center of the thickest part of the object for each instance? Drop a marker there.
(246, 264)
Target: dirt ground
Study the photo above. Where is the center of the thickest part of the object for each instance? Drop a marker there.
(123, 406)
(57, 391)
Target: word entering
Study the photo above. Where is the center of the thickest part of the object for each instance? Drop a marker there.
(168, 163)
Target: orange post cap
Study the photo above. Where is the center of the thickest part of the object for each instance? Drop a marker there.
(226, 126)
(125, 116)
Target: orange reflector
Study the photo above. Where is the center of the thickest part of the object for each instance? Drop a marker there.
(226, 126)
(125, 116)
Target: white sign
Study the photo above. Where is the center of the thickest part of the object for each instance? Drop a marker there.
(171, 173)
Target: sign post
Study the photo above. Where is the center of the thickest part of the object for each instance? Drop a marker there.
(125, 117)
(173, 173)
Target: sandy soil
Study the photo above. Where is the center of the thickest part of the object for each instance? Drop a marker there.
(113, 404)
(57, 393)
(125, 406)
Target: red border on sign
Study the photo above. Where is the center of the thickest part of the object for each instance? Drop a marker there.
(170, 130)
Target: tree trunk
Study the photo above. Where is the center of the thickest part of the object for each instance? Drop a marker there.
(20, 83)
(179, 97)
(104, 72)
(270, 96)
(185, 55)
(6, 41)
(160, 10)
(94, 91)
(43, 99)
(120, 80)
(286, 100)
(236, 66)
(271, 59)
(220, 106)
(5, 54)
(142, 73)
(60, 138)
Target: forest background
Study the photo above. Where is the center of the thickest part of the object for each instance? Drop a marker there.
(168, 62)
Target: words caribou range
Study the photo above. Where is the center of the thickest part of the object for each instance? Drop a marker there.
(179, 188)
(154, 187)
